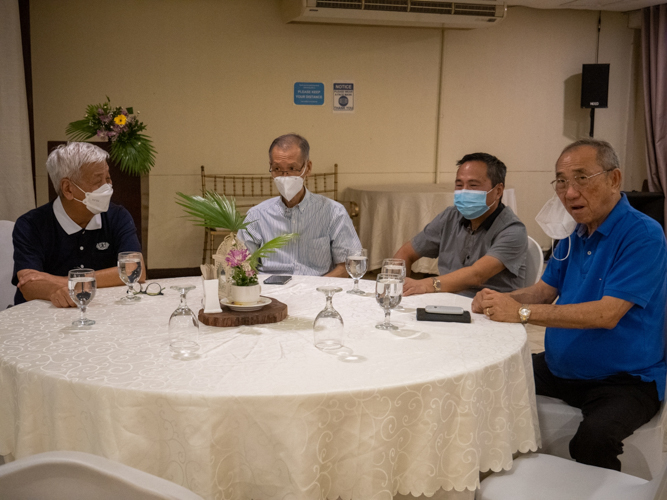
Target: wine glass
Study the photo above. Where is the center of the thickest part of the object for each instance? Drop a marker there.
(396, 267)
(129, 270)
(82, 285)
(388, 293)
(183, 327)
(356, 263)
(328, 325)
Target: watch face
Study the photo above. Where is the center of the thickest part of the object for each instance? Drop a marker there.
(524, 313)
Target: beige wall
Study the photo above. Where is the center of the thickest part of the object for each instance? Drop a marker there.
(213, 81)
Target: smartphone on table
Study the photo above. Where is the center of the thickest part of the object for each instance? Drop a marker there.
(277, 279)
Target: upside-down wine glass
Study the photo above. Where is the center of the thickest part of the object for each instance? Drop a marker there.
(82, 285)
(328, 325)
(388, 293)
(356, 264)
(129, 270)
(183, 327)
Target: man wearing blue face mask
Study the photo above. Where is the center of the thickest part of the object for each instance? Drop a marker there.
(479, 242)
(326, 233)
(81, 228)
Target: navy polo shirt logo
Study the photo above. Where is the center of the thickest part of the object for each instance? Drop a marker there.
(103, 245)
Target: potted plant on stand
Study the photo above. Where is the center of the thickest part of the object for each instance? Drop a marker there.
(237, 267)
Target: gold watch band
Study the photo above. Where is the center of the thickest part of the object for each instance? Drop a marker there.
(436, 284)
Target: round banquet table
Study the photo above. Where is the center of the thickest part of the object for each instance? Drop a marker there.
(261, 413)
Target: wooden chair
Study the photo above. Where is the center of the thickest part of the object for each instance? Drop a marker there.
(251, 189)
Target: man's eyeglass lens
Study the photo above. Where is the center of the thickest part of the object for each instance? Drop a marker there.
(578, 181)
(151, 289)
(290, 170)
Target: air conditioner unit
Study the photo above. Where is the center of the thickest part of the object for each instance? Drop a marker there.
(415, 13)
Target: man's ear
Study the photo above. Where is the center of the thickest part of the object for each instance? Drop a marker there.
(66, 188)
(616, 179)
(309, 167)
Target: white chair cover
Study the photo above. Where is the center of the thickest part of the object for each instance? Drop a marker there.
(72, 475)
(534, 262)
(7, 290)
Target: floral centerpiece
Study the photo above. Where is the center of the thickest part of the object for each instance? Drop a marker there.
(130, 149)
(218, 212)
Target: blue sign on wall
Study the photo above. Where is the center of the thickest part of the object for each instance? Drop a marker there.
(309, 93)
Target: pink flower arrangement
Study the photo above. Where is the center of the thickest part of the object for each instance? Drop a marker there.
(244, 274)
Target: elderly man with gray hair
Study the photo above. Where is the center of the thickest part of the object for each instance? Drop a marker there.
(80, 229)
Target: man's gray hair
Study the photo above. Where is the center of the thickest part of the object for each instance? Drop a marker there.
(606, 157)
(67, 159)
(289, 140)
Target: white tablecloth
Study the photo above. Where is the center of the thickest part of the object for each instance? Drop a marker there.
(263, 414)
(390, 215)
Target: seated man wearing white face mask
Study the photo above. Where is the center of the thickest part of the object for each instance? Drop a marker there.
(326, 233)
(478, 242)
(81, 228)
(604, 345)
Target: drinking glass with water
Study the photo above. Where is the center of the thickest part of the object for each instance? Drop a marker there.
(356, 264)
(388, 293)
(130, 265)
(82, 285)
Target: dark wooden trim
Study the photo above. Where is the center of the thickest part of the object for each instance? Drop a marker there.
(158, 274)
(24, 17)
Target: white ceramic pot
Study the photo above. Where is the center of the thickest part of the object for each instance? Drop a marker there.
(245, 295)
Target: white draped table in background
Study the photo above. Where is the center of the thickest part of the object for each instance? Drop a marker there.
(391, 214)
(262, 414)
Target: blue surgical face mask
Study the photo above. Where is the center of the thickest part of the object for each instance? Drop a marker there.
(471, 204)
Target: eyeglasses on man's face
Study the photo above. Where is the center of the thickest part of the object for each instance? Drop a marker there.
(275, 171)
(152, 289)
(578, 182)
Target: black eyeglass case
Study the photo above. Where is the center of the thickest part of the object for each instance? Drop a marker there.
(422, 315)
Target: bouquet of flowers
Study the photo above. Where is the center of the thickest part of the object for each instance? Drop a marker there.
(130, 149)
(242, 273)
(217, 212)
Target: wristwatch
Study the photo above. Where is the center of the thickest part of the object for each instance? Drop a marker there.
(524, 314)
(436, 284)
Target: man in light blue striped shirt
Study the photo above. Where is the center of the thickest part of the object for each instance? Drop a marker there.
(326, 233)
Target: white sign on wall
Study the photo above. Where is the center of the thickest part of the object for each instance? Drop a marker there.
(343, 97)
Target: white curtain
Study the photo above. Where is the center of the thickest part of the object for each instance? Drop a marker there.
(16, 185)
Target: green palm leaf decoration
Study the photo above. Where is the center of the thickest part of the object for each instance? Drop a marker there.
(213, 211)
(131, 150)
(270, 247)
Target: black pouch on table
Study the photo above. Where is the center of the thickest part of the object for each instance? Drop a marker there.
(422, 315)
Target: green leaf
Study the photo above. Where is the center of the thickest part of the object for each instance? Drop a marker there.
(270, 247)
(130, 111)
(213, 211)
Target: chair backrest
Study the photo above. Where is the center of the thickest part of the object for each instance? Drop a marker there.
(72, 475)
(534, 262)
(7, 290)
(251, 189)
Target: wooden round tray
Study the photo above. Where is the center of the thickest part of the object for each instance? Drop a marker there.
(274, 312)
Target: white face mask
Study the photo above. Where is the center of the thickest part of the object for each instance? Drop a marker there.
(288, 185)
(556, 221)
(97, 201)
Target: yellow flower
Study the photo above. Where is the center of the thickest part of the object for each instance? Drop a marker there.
(120, 120)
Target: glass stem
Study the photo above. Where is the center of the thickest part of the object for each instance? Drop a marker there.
(82, 309)
(356, 284)
(183, 303)
(387, 313)
(329, 302)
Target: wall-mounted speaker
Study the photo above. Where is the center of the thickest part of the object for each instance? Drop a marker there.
(594, 85)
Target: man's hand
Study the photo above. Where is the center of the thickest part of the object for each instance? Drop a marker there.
(39, 285)
(416, 287)
(496, 306)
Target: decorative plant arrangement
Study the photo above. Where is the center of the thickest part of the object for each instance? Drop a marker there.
(130, 149)
(218, 212)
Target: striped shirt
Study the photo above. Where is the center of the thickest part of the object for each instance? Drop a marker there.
(325, 231)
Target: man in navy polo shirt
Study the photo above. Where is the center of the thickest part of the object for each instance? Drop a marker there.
(604, 345)
(81, 228)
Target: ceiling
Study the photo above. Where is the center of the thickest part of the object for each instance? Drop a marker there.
(617, 5)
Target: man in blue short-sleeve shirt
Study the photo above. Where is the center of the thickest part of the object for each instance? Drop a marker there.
(605, 341)
(81, 228)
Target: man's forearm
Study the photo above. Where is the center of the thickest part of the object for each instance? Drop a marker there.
(603, 313)
(109, 277)
(338, 272)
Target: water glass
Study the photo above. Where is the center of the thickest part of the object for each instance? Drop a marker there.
(129, 269)
(356, 264)
(388, 293)
(82, 285)
(394, 266)
(328, 325)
